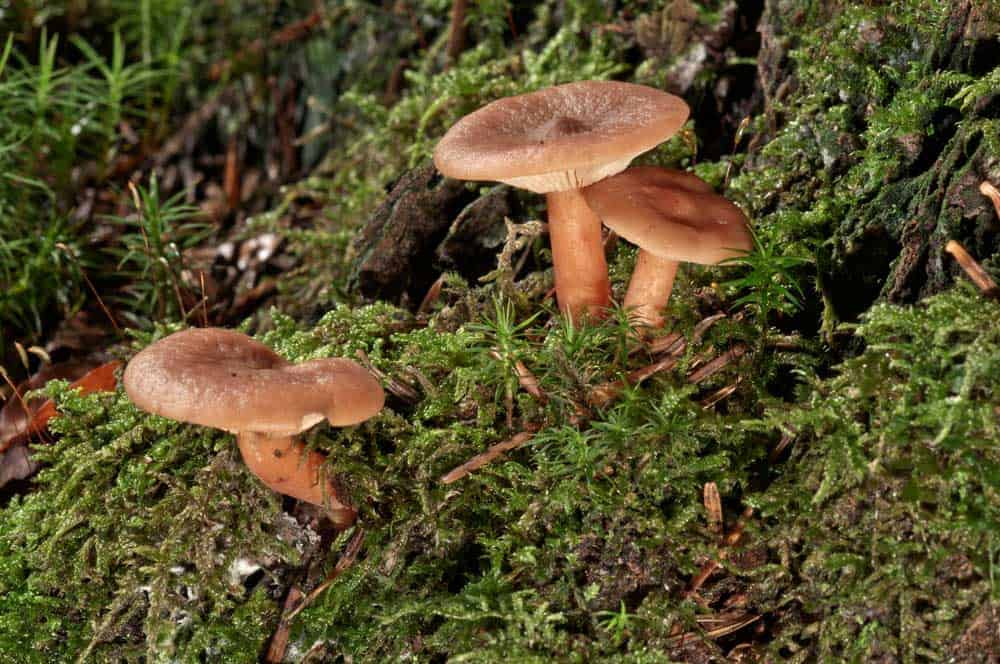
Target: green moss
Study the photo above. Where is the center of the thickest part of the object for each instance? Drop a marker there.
(889, 502)
(137, 520)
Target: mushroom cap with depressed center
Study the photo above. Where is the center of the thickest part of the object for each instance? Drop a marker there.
(560, 138)
(671, 214)
(224, 379)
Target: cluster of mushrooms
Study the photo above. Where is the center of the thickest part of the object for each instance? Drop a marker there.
(571, 142)
(574, 143)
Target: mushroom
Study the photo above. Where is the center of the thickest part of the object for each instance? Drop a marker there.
(226, 380)
(672, 216)
(555, 142)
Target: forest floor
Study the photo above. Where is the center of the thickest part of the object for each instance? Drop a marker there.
(802, 466)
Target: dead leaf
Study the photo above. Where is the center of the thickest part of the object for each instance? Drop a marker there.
(20, 419)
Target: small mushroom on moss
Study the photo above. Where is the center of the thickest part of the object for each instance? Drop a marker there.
(226, 380)
(673, 217)
(554, 142)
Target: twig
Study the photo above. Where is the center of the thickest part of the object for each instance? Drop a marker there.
(703, 326)
(730, 540)
(510, 22)
(415, 24)
(717, 364)
(529, 382)
(525, 378)
(674, 343)
(279, 642)
(719, 395)
(292, 32)
(456, 32)
(607, 392)
(713, 505)
(786, 440)
(192, 125)
(204, 299)
(90, 285)
(433, 293)
(231, 176)
(987, 189)
(395, 83)
(397, 387)
(975, 271)
(346, 560)
(490, 454)
(718, 632)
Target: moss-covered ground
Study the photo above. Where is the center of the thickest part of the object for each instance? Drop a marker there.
(851, 428)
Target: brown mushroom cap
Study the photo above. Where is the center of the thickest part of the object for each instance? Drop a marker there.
(224, 379)
(559, 138)
(671, 214)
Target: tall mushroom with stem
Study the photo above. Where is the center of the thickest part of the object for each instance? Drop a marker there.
(226, 380)
(673, 217)
(555, 142)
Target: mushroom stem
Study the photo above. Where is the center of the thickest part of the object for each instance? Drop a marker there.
(650, 288)
(582, 286)
(284, 464)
